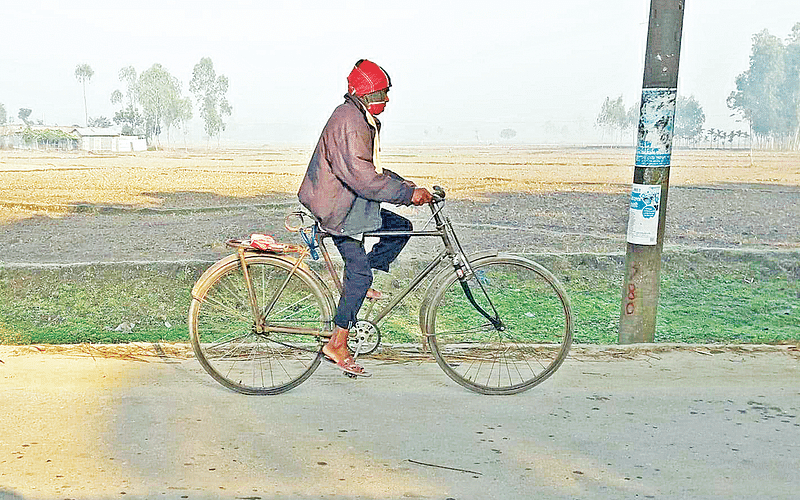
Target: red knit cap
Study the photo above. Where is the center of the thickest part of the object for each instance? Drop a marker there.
(366, 78)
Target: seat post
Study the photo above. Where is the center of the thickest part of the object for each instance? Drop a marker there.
(328, 261)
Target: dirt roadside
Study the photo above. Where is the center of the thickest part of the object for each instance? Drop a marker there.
(665, 422)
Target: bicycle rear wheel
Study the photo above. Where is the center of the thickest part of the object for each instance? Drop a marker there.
(225, 337)
(529, 345)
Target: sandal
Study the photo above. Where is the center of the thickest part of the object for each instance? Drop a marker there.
(347, 365)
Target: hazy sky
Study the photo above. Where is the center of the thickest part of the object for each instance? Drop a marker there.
(460, 69)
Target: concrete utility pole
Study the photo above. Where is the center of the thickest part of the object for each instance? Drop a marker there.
(648, 203)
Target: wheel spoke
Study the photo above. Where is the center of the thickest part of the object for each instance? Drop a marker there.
(467, 331)
(225, 308)
(231, 350)
(228, 341)
(535, 315)
(298, 301)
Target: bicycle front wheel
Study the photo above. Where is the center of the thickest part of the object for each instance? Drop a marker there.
(527, 344)
(225, 336)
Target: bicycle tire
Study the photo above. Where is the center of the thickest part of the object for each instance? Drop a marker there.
(537, 318)
(222, 327)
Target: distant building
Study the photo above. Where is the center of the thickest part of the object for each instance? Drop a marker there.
(10, 137)
(98, 140)
(108, 139)
(20, 136)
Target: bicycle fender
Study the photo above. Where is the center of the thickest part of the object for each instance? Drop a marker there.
(198, 288)
(424, 308)
(200, 283)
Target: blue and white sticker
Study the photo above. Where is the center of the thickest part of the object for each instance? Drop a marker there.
(643, 215)
(656, 126)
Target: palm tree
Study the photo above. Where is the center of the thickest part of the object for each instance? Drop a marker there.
(731, 137)
(711, 133)
(84, 73)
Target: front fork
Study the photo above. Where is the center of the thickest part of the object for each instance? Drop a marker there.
(464, 272)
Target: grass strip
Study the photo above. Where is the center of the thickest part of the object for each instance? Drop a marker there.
(706, 297)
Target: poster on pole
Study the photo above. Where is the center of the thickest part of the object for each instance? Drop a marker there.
(643, 216)
(656, 124)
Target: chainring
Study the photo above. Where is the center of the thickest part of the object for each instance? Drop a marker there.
(365, 333)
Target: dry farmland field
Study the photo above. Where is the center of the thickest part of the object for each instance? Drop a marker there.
(70, 216)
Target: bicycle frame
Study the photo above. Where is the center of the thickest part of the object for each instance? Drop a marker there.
(444, 230)
(452, 251)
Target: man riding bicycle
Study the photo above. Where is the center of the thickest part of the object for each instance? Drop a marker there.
(344, 186)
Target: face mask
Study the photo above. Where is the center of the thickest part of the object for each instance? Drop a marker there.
(376, 101)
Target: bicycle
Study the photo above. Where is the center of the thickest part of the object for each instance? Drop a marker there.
(495, 323)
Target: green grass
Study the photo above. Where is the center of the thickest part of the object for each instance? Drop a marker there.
(729, 311)
(706, 297)
(89, 303)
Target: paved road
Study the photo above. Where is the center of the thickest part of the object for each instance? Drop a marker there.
(685, 422)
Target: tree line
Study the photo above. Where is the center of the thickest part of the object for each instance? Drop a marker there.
(767, 98)
(152, 102)
(615, 118)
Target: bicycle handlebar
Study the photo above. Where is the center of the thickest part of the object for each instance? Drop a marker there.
(438, 194)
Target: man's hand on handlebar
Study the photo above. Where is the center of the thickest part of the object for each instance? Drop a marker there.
(421, 196)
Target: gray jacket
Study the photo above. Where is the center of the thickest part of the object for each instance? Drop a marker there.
(341, 186)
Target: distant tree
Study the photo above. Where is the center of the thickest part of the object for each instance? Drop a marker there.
(128, 75)
(730, 137)
(756, 97)
(632, 116)
(158, 92)
(715, 135)
(613, 115)
(508, 133)
(24, 114)
(48, 137)
(117, 97)
(712, 135)
(767, 95)
(689, 119)
(129, 115)
(100, 122)
(791, 85)
(3, 114)
(741, 134)
(209, 90)
(131, 121)
(84, 73)
(178, 114)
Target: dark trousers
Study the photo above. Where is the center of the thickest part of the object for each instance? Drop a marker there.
(358, 265)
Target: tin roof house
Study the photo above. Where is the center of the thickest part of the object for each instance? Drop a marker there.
(108, 139)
